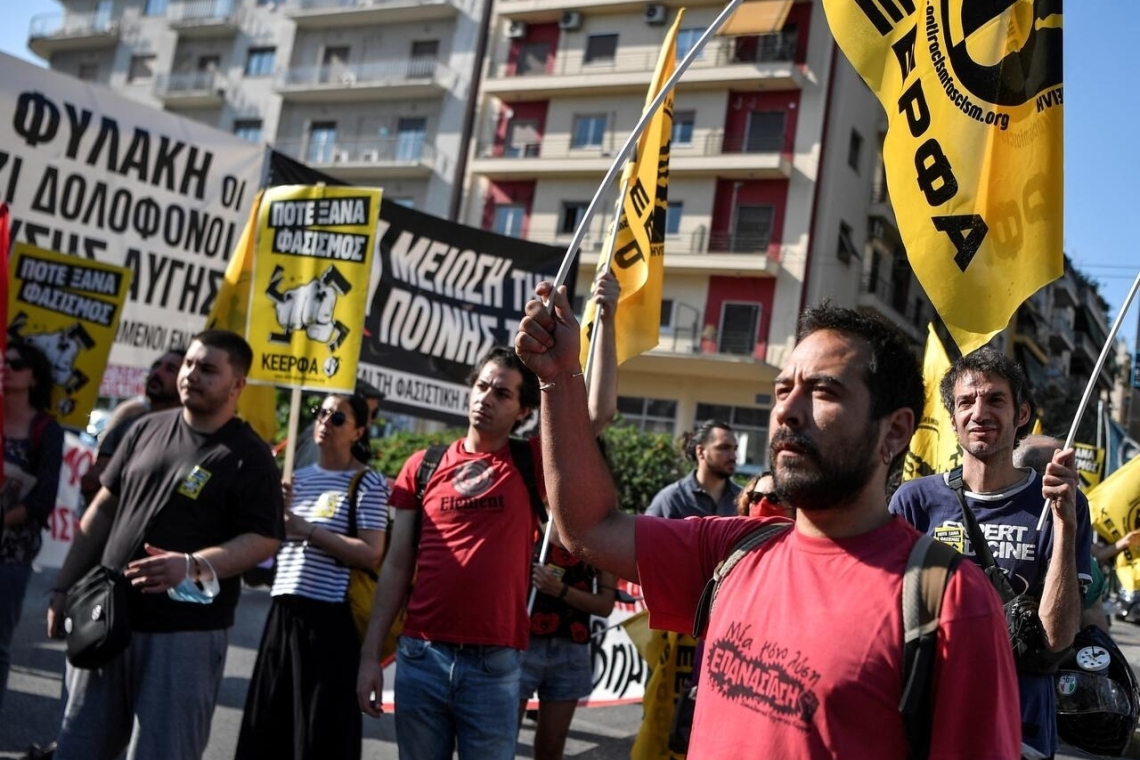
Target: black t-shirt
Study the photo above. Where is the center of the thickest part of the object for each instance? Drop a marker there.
(207, 489)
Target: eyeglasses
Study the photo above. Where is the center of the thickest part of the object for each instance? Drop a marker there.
(754, 497)
(16, 363)
(336, 419)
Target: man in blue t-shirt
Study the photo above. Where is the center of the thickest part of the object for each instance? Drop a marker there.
(988, 399)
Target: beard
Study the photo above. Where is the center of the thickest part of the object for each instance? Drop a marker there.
(157, 393)
(835, 478)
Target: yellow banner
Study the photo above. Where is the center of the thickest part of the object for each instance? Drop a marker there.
(1114, 508)
(670, 655)
(934, 447)
(67, 307)
(973, 151)
(1089, 464)
(257, 404)
(310, 285)
(639, 251)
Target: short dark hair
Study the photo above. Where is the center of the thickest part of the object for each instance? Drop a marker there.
(235, 346)
(506, 357)
(39, 396)
(892, 374)
(700, 436)
(990, 362)
(179, 352)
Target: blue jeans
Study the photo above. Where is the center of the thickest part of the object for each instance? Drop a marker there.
(453, 694)
(13, 583)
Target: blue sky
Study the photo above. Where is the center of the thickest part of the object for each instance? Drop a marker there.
(1100, 111)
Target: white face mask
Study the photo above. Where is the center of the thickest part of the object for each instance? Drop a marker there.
(201, 591)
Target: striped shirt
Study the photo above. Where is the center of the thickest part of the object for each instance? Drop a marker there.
(321, 497)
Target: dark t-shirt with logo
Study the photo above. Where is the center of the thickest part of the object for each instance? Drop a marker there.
(207, 489)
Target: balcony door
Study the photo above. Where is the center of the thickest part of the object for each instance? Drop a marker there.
(751, 229)
(739, 323)
(765, 132)
(410, 135)
(523, 139)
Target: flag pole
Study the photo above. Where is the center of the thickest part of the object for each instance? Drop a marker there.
(646, 117)
(1046, 511)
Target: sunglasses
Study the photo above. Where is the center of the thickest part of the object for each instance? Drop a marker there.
(16, 363)
(336, 419)
(754, 497)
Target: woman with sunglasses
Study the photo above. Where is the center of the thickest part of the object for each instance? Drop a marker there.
(758, 499)
(33, 454)
(302, 697)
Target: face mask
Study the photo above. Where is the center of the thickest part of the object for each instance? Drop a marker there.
(201, 591)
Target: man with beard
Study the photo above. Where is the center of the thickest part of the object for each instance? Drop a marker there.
(987, 396)
(160, 393)
(709, 489)
(204, 493)
(803, 653)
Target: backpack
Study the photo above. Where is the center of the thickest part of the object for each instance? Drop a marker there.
(361, 581)
(925, 579)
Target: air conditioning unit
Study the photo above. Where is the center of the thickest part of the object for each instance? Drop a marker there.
(571, 21)
(370, 156)
(516, 30)
(340, 157)
(655, 14)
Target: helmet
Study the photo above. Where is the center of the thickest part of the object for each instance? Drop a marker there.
(1098, 698)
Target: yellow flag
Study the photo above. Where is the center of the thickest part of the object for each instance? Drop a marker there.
(1114, 508)
(934, 447)
(671, 669)
(257, 404)
(1037, 427)
(973, 152)
(639, 251)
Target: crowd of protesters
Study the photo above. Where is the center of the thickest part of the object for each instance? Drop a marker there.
(484, 611)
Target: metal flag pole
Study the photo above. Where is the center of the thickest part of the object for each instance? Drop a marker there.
(623, 153)
(1046, 511)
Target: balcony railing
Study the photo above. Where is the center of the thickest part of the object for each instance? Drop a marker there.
(190, 83)
(713, 143)
(48, 25)
(415, 149)
(690, 243)
(201, 11)
(367, 74)
(769, 48)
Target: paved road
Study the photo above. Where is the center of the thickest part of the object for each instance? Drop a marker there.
(32, 706)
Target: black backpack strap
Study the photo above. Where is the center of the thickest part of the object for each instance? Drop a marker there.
(353, 494)
(982, 551)
(928, 571)
(428, 465)
(751, 541)
(523, 457)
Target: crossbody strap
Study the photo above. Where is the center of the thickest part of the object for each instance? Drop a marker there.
(982, 551)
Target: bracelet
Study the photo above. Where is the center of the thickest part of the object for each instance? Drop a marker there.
(565, 590)
(551, 384)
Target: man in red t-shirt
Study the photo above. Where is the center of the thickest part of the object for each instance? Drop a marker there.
(459, 656)
(804, 648)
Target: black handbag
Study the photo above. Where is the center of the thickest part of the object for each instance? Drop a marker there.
(1026, 634)
(96, 620)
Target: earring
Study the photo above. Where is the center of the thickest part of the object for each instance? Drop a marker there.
(888, 457)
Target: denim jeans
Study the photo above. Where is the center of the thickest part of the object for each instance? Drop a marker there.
(13, 583)
(450, 695)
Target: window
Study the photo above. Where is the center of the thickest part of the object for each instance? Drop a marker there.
(424, 55)
(666, 315)
(751, 427)
(261, 62)
(155, 8)
(142, 68)
(739, 323)
(209, 62)
(101, 18)
(765, 132)
(846, 250)
(854, 150)
(532, 58)
(683, 128)
(509, 219)
(601, 48)
(410, 134)
(572, 214)
(88, 72)
(248, 129)
(686, 41)
(752, 229)
(322, 141)
(650, 415)
(523, 139)
(673, 217)
(588, 131)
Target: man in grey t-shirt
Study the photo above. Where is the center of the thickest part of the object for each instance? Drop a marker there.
(708, 490)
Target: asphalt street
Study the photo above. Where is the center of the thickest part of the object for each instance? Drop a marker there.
(31, 709)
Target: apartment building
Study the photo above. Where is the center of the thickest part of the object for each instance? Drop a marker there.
(375, 92)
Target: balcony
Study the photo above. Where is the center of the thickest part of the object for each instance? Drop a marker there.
(1061, 337)
(396, 79)
(51, 33)
(1065, 292)
(890, 299)
(195, 89)
(712, 154)
(724, 64)
(409, 157)
(205, 19)
(332, 14)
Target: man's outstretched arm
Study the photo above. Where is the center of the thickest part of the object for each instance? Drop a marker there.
(582, 496)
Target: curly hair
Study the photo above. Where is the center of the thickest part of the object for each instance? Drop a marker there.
(991, 363)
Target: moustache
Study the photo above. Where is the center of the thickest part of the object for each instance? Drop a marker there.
(786, 437)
